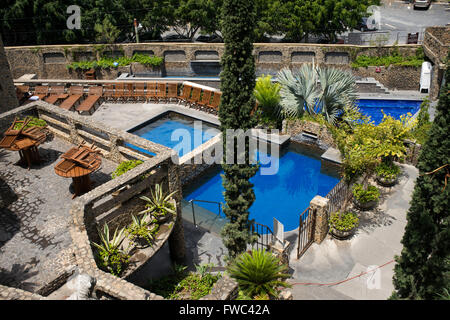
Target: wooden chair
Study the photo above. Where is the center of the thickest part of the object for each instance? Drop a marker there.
(195, 98)
(75, 95)
(139, 91)
(215, 101)
(41, 92)
(57, 93)
(94, 96)
(205, 99)
(172, 91)
(185, 94)
(108, 93)
(128, 92)
(22, 93)
(151, 91)
(161, 91)
(119, 92)
(12, 134)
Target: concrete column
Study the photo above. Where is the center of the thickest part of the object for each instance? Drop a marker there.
(177, 246)
(319, 205)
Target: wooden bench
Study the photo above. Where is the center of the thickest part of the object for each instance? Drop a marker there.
(75, 95)
(94, 95)
(57, 93)
(151, 91)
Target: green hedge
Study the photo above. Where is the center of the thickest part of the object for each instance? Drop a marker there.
(365, 61)
(106, 63)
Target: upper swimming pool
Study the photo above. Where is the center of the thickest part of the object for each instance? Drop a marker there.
(394, 108)
(187, 135)
(284, 195)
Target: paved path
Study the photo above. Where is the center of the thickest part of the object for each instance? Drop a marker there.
(375, 243)
(35, 244)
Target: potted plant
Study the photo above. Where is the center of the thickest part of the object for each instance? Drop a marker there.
(387, 174)
(365, 198)
(160, 205)
(141, 232)
(343, 225)
(123, 167)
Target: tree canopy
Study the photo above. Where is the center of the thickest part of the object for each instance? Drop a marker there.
(30, 22)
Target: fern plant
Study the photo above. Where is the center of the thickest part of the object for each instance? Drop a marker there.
(258, 273)
(110, 254)
(158, 204)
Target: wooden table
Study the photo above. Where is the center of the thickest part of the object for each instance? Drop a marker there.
(79, 173)
(26, 143)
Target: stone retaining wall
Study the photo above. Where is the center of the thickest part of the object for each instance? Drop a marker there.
(183, 59)
(296, 127)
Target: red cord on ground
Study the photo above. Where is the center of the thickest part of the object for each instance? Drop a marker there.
(342, 281)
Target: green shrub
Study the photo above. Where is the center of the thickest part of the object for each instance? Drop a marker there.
(420, 132)
(395, 59)
(34, 122)
(258, 273)
(183, 284)
(389, 171)
(106, 62)
(343, 221)
(124, 167)
(364, 195)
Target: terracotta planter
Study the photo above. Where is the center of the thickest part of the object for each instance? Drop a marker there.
(382, 181)
(365, 205)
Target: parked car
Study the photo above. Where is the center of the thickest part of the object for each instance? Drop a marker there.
(176, 38)
(213, 38)
(367, 25)
(422, 4)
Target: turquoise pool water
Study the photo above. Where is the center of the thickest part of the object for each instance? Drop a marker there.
(394, 108)
(284, 195)
(160, 131)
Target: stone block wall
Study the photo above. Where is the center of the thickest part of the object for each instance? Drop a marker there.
(296, 127)
(8, 98)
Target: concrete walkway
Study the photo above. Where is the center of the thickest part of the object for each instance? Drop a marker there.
(375, 243)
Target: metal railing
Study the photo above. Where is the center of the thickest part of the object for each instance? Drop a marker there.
(204, 201)
(337, 196)
(265, 236)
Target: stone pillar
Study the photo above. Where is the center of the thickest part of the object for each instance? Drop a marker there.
(114, 153)
(319, 205)
(74, 137)
(8, 98)
(177, 244)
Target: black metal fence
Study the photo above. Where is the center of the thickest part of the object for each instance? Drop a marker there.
(337, 196)
(265, 236)
(306, 231)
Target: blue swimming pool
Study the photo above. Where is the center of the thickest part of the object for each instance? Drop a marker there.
(394, 108)
(160, 131)
(284, 195)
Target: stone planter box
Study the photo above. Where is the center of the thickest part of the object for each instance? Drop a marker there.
(141, 254)
(365, 205)
(342, 235)
(386, 182)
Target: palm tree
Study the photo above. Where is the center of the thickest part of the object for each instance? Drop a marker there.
(316, 90)
(258, 273)
(267, 94)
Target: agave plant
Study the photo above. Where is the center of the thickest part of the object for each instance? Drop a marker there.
(316, 90)
(110, 253)
(158, 204)
(258, 273)
(140, 229)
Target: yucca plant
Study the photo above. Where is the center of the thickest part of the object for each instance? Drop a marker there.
(159, 203)
(110, 254)
(258, 274)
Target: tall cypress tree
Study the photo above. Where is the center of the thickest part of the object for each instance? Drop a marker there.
(237, 84)
(423, 269)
